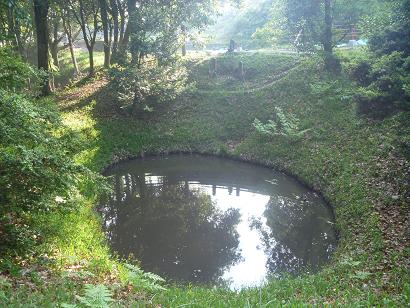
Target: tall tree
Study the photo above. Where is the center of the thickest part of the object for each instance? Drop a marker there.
(122, 10)
(327, 34)
(105, 24)
(132, 8)
(66, 17)
(86, 13)
(116, 27)
(308, 24)
(55, 36)
(41, 8)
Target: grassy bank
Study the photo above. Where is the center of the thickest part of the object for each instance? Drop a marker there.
(360, 167)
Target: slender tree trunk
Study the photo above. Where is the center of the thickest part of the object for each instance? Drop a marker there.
(122, 22)
(10, 24)
(110, 27)
(73, 58)
(183, 30)
(54, 54)
(89, 40)
(327, 35)
(131, 9)
(114, 9)
(332, 63)
(68, 31)
(54, 41)
(91, 60)
(19, 39)
(40, 17)
(14, 31)
(104, 19)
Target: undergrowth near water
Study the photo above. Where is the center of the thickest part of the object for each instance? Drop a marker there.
(360, 167)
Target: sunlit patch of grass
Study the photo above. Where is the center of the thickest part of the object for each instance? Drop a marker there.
(66, 73)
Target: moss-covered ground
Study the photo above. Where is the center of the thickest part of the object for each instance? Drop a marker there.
(359, 165)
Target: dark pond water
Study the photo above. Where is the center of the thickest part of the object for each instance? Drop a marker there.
(215, 221)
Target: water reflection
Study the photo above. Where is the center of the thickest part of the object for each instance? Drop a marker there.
(215, 221)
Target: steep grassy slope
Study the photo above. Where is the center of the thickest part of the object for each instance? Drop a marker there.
(358, 165)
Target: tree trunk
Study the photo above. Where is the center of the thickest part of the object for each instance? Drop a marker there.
(73, 58)
(55, 39)
(69, 33)
(184, 49)
(10, 23)
(89, 40)
(183, 30)
(131, 9)
(19, 39)
(13, 31)
(332, 63)
(54, 54)
(121, 10)
(114, 9)
(91, 60)
(107, 46)
(327, 35)
(40, 17)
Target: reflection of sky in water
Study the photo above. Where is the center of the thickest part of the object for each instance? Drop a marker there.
(281, 226)
(254, 259)
(251, 269)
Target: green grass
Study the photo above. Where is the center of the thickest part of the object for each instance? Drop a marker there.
(65, 75)
(356, 164)
(259, 69)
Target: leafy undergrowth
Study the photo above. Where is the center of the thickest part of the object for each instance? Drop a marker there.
(360, 167)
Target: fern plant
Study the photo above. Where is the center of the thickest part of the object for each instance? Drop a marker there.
(268, 129)
(288, 124)
(143, 280)
(282, 125)
(95, 296)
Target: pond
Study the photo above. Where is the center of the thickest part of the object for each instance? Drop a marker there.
(215, 221)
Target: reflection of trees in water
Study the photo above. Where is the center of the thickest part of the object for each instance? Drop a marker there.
(298, 236)
(173, 230)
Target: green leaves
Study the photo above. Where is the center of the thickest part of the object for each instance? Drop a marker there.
(4, 284)
(146, 87)
(37, 172)
(361, 275)
(15, 74)
(282, 125)
(269, 129)
(34, 166)
(96, 296)
(141, 280)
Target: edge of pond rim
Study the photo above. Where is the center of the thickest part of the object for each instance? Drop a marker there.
(235, 157)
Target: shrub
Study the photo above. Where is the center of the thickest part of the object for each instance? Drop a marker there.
(332, 63)
(34, 164)
(16, 75)
(361, 73)
(147, 86)
(391, 40)
(387, 82)
(386, 88)
(36, 172)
